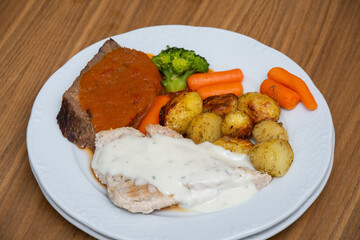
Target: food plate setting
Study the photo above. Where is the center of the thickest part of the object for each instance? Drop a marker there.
(63, 170)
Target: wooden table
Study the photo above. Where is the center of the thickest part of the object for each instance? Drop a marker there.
(38, 37)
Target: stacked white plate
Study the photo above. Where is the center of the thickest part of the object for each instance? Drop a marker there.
(63, 171)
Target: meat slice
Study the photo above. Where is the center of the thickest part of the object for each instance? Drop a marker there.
(118, 86)
(74, 122)
(123, 191)
(104, 137)
(260, 180)
(152, 129)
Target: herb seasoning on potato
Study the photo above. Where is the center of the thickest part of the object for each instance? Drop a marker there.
(259, 107)
(221, 104)
(272, 156)
(237, 145)
(205, 127)
(267, 129)
(237, 124)
(180, 110)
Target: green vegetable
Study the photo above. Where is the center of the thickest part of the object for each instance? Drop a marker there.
(177, 64)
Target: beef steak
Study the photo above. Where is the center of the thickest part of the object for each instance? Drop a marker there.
(74, 122)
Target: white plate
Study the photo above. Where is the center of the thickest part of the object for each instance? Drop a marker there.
(267, 233)
(63, 169)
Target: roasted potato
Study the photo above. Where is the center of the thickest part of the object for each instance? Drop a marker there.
(179, 111)
(205, 127)
(237, 124)
(234, 144)
(221, 104)
(267, 129)
(259, 107)
(272, 156)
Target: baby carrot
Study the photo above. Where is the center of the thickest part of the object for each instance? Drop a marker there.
(150, 55)
(199, 80)
(221, 88)
(152, 115)
(295, 83)
(286, 97)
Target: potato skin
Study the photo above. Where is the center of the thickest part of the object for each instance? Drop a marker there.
(272, 156)
(267, 129)
(234, 144)
(179, 111)
(205, 127)
(221, 104)
(237, 124)
(259, 107)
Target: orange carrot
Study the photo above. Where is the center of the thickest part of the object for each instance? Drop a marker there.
(150, 55)
(295, 83)
(221, 88)
(152, 115)
(286, 97)
(199, 80)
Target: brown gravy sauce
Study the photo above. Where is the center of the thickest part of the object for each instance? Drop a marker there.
(90, 155)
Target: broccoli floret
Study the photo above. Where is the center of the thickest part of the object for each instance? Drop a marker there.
(177, 64)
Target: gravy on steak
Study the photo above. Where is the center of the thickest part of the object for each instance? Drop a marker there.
(118, 90)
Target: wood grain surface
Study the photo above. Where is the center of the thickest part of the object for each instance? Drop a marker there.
(38, 37)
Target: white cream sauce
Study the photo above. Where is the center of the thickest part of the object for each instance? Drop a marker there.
(200, 177)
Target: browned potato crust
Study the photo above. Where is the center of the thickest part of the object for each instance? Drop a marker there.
(221, 104)
(234, 144)
(259, 107)
(205, 127)
(272, 156)
(179, 111)
(267, 129)
(237, 124)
